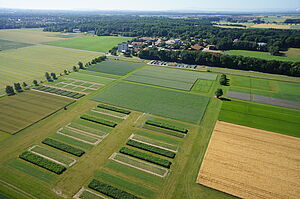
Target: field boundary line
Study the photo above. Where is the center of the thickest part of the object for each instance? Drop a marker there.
(131, 138)
(75, 138)
(139, 118)
(112, 157)
(124, 117)
(85, 132)
(78, 194)
(17, 189)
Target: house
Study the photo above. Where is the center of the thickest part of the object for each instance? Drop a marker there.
(196, 47)
(137, 44)
(123, 47)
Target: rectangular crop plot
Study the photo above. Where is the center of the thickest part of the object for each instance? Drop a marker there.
(24, 109)
(173, 104)
(114, 67)
(167, 77)
(251, 163)
(5, 44)
(80, 136)
(139, 164)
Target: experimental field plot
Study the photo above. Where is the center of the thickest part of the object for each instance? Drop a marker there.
(251, 163)
(266, 117)
(167, 77)
(173, 104)
(20, 111)
(115, 67)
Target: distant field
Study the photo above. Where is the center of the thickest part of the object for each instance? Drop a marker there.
(92, 43)
(34, 36)
(19, 111)
(114, 67)
(162, 102)
(261, 55)
(273, 26)
(29, 63)
(6, 45)
(171, 78)
(293, 52)
(251, 163)
(270, 118)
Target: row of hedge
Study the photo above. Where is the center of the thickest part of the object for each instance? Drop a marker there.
(166, 126)
(42, 162)
(110, 190)
(61, 92)
(173, 133)
(64, 147)
(111, 108)
(146, 157)
(150, 148)
(98, 120)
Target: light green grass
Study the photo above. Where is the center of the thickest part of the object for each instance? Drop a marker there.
(78, 135)
(163, 131)
(6, 45)
(71, 141)
(114, 113)
(162, 102)
(90, 78)
(104, 116)
(201, 85)
(92, 125)
(89, 72)
(114, 67)
(270, 118)
(92, 43)
(154, 142)
(89, 195)
(87, 129)
(260, 55)
(159, 137)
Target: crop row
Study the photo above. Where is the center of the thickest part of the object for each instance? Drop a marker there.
(146, 157)
(57, 91)
(150, 148)
(98, 120)
(166, 126)
(114, 109)
(110, 190)
(42, 162)
(64, 147)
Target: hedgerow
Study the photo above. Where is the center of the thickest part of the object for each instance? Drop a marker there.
(110, 190)
(150, 148)
(64, 147)
(98, 120)
(146, 157)
(114, 109)
(167, 126)
(42, 162)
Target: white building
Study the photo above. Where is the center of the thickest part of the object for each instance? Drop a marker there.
(123, 47)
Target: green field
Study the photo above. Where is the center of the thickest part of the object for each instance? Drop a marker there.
(90, 78)
(202, 86)
(29, 63)
(6, 45)
(92, 43)
(19, 111)
(155, 101)
(265, 87)
(270, 118)
(167, 77)
(89, 72)
(261, 55)
(114, 67)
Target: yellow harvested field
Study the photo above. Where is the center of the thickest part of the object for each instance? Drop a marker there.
(275, 26)
(251, 163)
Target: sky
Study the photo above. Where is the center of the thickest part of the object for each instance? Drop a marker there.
(200, 5)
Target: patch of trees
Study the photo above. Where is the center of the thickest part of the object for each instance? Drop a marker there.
(223, 80)
(222, 60)
(293, 21)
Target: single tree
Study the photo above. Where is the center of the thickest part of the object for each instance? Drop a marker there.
(223, 80)
(9, 90)
(18, 87)
(35, 82)
(74, 68)
(219, 93)
(47, 76)
(53, 75)
(80, 64)
(66, 72)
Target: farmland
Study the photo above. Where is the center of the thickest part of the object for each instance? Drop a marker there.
(261, 55)
(231, 163)
(92, 43)
(155, 101)
(171, 78)
(22, 110)
(6, 45)
(115, 67)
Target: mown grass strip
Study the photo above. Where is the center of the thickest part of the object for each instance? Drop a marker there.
(98, 120)
(64, 147)
(113, 109)
(146, 157)
(110, 190)
(167, 126)
(150, 148)
(42, 162)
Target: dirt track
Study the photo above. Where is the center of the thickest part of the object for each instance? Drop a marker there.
(252, 163)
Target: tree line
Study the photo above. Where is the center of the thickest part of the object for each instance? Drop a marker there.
(223, 60)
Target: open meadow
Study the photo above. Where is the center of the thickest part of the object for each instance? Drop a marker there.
(251, 163)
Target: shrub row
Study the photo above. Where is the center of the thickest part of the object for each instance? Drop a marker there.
(146, 157)
(42, 162)
(64, 147)
(98, 120)
(166, 126)
(114, 109)
(110, 190)
(150, 148)
(57, 91)
(173, 133)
